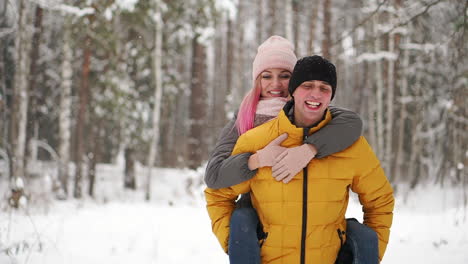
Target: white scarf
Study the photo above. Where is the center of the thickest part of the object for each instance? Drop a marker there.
(271, 106)
(268, 108)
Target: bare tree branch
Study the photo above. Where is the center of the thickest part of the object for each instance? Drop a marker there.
(404, 23)
(364, 21)
(394, 27)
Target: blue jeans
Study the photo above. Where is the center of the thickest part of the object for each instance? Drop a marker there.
(363, 242)
(244, 245)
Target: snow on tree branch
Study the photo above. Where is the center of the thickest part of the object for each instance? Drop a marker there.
(382, 55)
(72, 10)
(227, 6)
(127, 4)
(67, 9)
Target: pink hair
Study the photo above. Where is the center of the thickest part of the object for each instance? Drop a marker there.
(248, 107)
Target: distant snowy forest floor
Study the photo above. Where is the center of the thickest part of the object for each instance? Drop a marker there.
(118, 226)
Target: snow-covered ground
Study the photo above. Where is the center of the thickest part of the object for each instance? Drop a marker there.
(430, 226)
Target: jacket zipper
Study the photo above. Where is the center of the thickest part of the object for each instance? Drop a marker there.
(304, 207)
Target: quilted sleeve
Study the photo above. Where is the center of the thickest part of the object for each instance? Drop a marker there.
(220, 204)
(375, 194)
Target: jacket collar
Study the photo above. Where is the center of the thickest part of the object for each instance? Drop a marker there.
(285, 122)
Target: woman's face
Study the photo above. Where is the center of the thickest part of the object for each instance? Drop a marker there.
(274, 82)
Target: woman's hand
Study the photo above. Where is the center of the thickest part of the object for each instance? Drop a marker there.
(291, 161)
(266, 156)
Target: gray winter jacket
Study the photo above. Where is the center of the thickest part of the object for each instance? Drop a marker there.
(224, 170)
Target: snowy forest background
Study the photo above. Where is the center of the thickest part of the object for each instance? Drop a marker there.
(120, 86)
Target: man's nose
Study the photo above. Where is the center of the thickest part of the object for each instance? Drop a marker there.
(314, 93)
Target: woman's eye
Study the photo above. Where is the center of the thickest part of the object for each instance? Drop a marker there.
(266, 76)
(285, 76)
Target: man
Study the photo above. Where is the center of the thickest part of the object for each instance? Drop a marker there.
(304, 219)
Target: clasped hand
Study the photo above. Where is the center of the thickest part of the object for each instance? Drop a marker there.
(285, 162)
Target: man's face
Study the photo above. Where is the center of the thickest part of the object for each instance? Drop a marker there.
(311, 100)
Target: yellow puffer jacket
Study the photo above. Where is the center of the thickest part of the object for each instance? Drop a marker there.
(308, 212)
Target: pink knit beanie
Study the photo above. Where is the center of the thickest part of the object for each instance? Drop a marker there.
(275, 52)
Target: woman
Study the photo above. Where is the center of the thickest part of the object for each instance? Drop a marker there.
(272, 69)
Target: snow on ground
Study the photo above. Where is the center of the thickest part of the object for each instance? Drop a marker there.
(113, 233)
(430, 226)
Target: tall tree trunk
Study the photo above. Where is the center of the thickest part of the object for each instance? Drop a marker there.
(361, 91)
(312, 26)
(393, 79)
(416, 129)
(296, 17)
(34, 92)
(230, 50)
(273, 18)
(389, 111)
(93, 155)
(242, 84)
(235, 61)
(158, 91)
(130, 179)
(400, 153)
(197, 105)
(326, 42)
(458, 122)
(371, 109)
(5, 104)
(288, 21)
(181, 126)
(92, 170)
(65, 110)
(20, 95)
(260, 21)
(370, 91)
(416, 149)
(82, 118)
(4, 110)
(238, 87)
(175, 145)
(379, 97)
(220, 93)
(169, 139)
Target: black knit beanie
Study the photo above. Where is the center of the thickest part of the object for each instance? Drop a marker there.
(313, 68)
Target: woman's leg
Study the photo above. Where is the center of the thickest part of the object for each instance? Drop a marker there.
(363, 242)
(243, 245)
